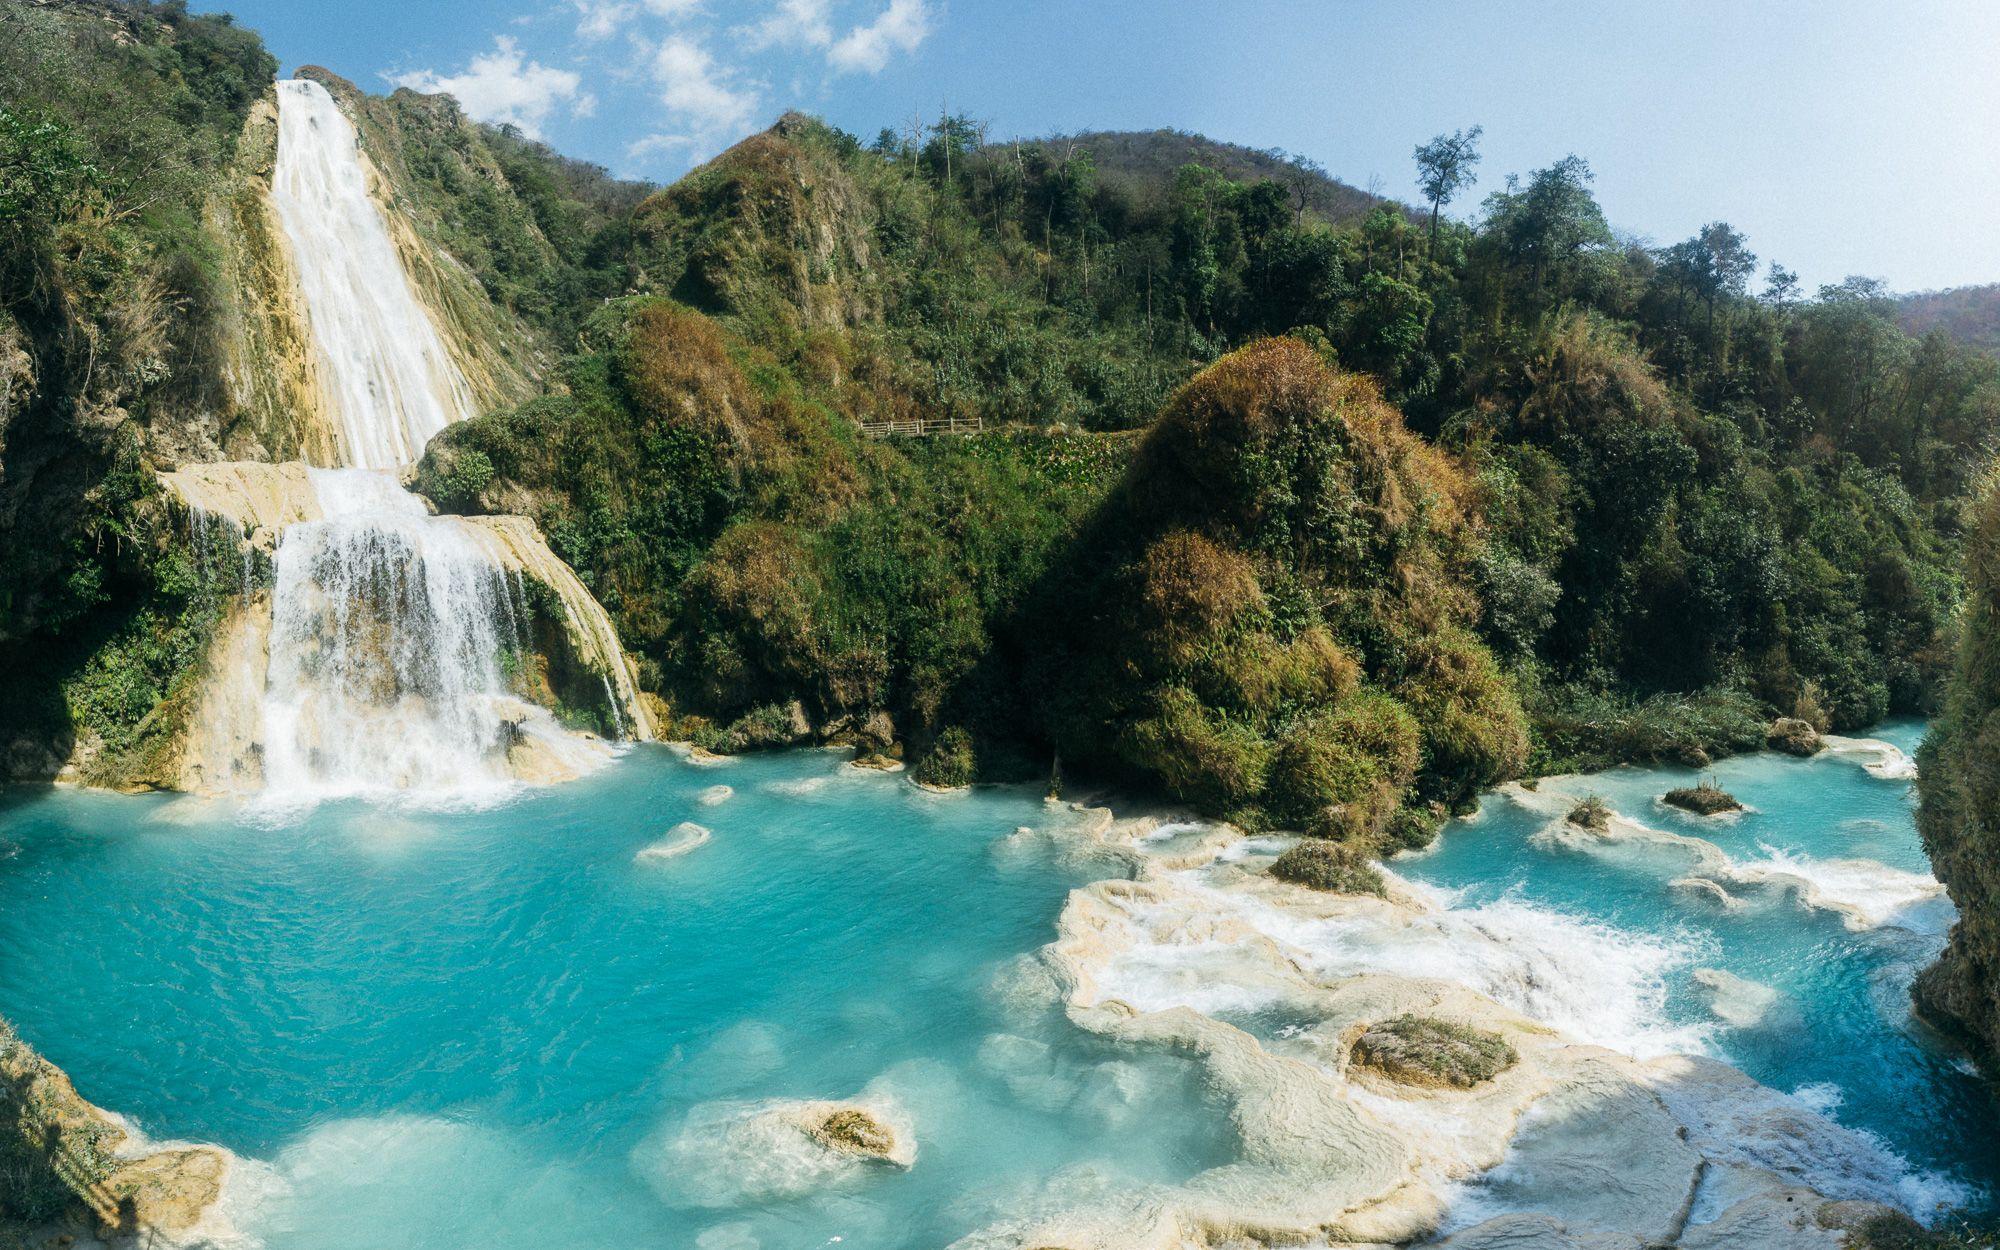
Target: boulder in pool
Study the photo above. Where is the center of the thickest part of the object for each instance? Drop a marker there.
(1593, 813)
(1421, 1050)
(851, 1130)
(1794, 737)
(1706, 799)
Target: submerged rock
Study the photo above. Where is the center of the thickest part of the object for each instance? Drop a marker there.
(730, 1154)
(1420, 1050)
(1703, 800)
(1794, 737)
(1735, 1000)
(682, 838)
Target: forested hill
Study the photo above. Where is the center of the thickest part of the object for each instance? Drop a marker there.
(1317, 522)
(1970, 314)
(1143, 164)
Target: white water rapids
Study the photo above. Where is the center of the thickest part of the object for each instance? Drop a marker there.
(390, 627)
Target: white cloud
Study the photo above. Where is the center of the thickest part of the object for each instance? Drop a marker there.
(700, 97)
(900, 28)
(505, 87)
(793, 24)
(600, 19)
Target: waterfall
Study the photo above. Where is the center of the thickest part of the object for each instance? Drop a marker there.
(383, 367)
(390, 627)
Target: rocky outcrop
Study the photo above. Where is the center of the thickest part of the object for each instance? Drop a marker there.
(1794, 737)
(62, 1157)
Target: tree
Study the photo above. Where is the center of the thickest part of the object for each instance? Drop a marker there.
(1715, 265)
(1444, 168)
(1781, 287)
(1551, 226)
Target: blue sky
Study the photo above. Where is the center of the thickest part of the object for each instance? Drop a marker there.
(1843, 136)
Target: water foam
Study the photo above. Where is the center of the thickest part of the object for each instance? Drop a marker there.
(387, 636)
(1867, 894)
(1591, 981)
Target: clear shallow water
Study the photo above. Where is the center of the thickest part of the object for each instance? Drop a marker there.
(499, 1028)
(1838, 1029)
(489, 1028)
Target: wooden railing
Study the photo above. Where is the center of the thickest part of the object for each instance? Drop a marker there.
(922, 427)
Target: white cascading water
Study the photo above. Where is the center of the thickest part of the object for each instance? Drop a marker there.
(388, 624)
(382, 362)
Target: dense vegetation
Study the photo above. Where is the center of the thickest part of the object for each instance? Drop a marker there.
(1291, 502)
(1959, 780)
(1593, 500)
(118, 126)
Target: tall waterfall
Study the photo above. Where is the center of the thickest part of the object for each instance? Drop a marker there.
(383, 366)
(389, 627)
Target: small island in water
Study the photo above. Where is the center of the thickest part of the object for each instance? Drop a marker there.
(1104, 692)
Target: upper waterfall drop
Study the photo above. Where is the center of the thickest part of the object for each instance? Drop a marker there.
(385, 373)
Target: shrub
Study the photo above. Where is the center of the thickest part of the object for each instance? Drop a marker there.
(1190, 589)
(950, 762)
(1321, 865)
(1581, 731)
(1413, 826)
(1198, 755)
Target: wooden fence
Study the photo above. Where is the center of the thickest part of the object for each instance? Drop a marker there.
(922, 427)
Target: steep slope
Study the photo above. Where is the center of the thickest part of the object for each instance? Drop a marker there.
(1270, 616)
(1958, 775)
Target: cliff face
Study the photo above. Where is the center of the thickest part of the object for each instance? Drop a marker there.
(1959, 778)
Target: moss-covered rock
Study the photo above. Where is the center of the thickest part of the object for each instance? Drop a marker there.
(1422, 1050)
(1794, 737)
(1706, 799)
(1328, 866)
(950, 762)
(1593, 813)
